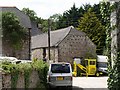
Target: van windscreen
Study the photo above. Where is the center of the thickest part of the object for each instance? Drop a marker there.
(60, 68)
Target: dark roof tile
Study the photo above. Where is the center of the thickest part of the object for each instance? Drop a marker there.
(24, 19)
(56, 37)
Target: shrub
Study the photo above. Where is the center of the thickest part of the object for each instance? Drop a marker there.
(26, 68)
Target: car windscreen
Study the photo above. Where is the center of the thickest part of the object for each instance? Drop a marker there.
(60, 68)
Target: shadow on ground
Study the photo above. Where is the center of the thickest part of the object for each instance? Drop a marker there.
(76, 88)
(66, 88)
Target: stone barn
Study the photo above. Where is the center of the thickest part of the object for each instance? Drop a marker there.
(6, 49)
(31, 28)
(65, 44)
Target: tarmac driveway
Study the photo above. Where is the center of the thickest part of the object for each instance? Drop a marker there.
(90, 83)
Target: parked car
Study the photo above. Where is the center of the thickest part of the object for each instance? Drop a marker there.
(12, 60)
(60, 74)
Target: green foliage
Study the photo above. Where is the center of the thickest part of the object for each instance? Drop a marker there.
(91, 25)
(13, 70)
(113, 71)
(114, 74)
(70, 17)
(7, 66)
(106, 12)
(26, 69)
(42, 69)
(44, 25)
(34, 18)
(30, 13)
(14, 77)
(13, 33)
(54, 20)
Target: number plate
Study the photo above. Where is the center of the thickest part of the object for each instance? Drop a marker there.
(59, 78)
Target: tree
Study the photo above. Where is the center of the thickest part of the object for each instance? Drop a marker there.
(54, 21)
(32, 15)
(69, 17)
(114, 59)
(91, 25)
(13, 33)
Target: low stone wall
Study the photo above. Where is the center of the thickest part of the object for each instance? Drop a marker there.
(33, 80)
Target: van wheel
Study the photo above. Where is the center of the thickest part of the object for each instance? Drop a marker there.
(69, 88)
(97, 74)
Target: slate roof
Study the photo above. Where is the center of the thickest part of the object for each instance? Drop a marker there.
(24, 19)
(40, 41)
(35, 30)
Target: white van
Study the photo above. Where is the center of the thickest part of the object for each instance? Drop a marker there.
(60, 74)
(102, 63)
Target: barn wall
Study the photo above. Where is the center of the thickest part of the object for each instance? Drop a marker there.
(23, 53)
(76, 44)
(38, 53)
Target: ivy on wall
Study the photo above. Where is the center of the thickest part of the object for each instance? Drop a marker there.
(26, 69)
(113, 71)
(13, 33)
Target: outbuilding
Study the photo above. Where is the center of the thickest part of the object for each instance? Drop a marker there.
(65, 44)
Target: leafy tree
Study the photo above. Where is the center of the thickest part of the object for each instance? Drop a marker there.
(44, 25)
(30, 13)
(33, 16)
(87, 7)
(72, 16)
(114, 64)
(96, 10)
(54, 21)
(91, 25)
(13, 33)
(69, 17)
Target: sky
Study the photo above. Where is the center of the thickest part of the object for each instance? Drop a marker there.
(46, 8)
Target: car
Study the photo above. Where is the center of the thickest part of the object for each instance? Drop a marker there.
(12, 60)
(60, 74)
(25, 61)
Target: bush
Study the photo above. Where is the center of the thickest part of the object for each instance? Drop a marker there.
(26, 68)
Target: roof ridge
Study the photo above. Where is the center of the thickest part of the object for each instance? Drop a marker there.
(70, 28)
(62, 29)
(56, 36)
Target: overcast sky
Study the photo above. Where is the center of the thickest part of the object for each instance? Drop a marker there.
(46, 8)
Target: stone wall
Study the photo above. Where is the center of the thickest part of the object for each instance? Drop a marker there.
(115, 33)
(33, 83)
(76, 44)
(113, 38)
(22, 54)
(38, 54)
